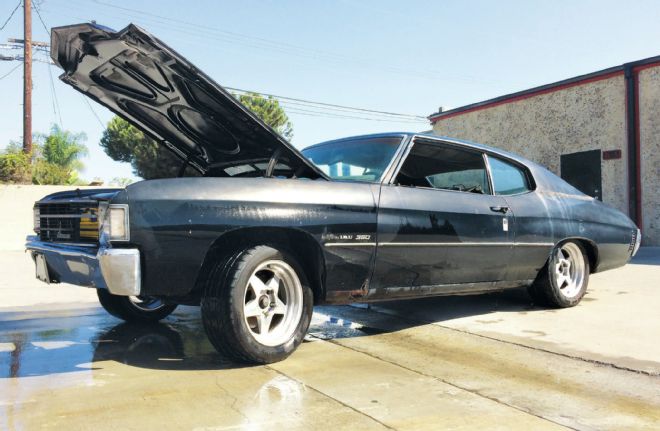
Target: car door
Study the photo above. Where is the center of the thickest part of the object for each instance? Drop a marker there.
(534, 232)
(440, 229)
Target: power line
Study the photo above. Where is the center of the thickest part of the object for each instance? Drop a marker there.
(298, 108)
(347, 117)
(331, 105)
(36, 9)
(197, 26)
(309, 109)
(328, 106)
(20, 58)
(9, 73)
(293, 105)
(11, 15)
(38, 60)
(320, 109)
(198, 30)
(89, 105)
(56, 104)
(10, 58)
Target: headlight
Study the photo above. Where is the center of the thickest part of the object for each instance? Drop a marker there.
(115, 223)
(37, 219)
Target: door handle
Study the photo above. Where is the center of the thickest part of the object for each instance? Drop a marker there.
(499, 209)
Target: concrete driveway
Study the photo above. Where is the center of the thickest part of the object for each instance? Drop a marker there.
(487, 362)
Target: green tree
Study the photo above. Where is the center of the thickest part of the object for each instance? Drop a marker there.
(49, 173)
(58, 157)
(64, 148)
(120, 181)
(270, 112)
(15, 165)
(125, 143)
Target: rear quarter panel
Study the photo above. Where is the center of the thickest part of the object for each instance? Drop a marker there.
(573, 214)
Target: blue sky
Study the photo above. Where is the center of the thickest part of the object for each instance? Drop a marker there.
(409, 57)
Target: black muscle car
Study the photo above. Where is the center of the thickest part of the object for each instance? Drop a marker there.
(257, 232)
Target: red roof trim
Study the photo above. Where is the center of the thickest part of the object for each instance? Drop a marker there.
(437, 117)
(549, 88)
(645, 66)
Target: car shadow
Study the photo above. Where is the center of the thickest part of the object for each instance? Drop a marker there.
(444, 308)
(82, 343)
(159, 346)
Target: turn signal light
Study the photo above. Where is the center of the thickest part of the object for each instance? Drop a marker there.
(115, 225)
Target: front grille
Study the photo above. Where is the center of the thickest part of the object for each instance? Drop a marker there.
(76, 222)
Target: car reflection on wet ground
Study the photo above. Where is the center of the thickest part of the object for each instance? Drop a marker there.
(490, 361)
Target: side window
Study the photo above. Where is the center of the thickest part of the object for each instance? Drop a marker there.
(444, 167)
(508, 179)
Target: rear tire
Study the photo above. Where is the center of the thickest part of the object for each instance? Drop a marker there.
(134, 308)
(257, 307)
(563, 280)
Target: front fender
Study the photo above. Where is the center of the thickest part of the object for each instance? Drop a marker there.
(175, 222)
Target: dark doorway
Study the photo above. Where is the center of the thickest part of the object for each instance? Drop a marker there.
(582, 171)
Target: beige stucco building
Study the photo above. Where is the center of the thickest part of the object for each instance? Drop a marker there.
(600, 132)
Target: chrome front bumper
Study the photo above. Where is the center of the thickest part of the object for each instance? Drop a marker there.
(115, 269)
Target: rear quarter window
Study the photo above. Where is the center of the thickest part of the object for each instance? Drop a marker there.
(508, 179)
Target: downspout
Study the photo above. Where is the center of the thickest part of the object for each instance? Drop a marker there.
(634, 156)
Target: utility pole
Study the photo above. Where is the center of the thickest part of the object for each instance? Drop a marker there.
(27, 76)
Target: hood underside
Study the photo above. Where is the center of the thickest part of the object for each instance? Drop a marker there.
(147, 83)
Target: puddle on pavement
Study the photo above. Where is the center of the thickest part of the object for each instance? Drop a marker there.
(68, 354)
(46, 346)
(67, 343)
(328, 327)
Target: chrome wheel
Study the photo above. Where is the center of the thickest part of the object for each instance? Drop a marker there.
(569, 270)
(146, 303)
(273, 303)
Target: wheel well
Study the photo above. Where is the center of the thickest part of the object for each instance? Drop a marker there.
(590, 248)
(300, 244)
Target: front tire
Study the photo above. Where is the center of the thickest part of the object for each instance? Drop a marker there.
(134, 308)
(563, 280)
(257, 307)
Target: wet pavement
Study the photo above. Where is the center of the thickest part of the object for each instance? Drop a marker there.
(483, 362)
(358, 369)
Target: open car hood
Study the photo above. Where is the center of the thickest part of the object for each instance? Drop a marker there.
(147, 83)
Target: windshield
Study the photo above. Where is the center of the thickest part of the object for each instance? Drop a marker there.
(361, 159)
